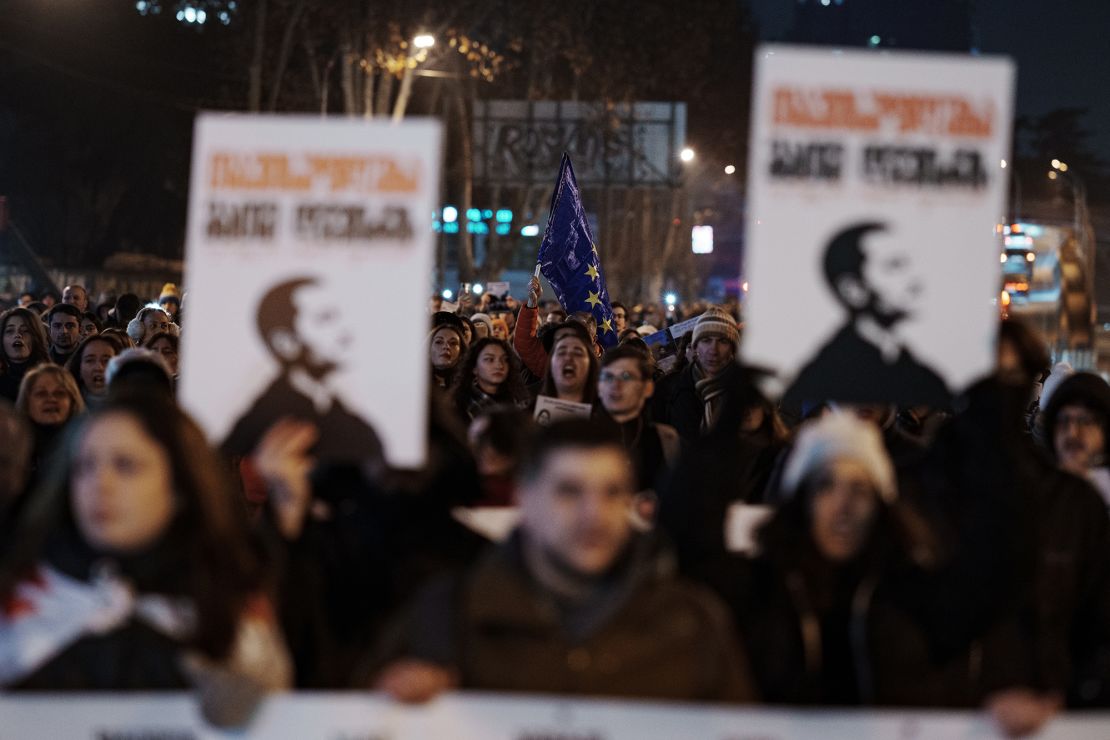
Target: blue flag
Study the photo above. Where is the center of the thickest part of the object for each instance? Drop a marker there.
(569, 258)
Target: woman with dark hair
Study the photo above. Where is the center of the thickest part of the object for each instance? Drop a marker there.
(90, 325)
(445, 347)
(572, 365)
(23, 345)
(89, 367)
(488, 376)
(165, 344)
(135, 570)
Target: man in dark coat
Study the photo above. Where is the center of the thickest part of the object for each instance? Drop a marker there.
(693, 400)
(302, 326)
(574, 602)
(867, 359)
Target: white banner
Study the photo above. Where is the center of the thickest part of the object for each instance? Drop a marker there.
(308, 251)
(875, 187)
(469, 716)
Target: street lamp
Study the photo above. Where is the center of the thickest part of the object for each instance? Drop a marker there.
(417, 47)
(730, 169)
(687, 155)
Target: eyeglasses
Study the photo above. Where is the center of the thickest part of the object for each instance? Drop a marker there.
(625, 377)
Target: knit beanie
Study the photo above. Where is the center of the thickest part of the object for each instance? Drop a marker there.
(483, 318)
(838, 435)
(719, 322)
(169, 290)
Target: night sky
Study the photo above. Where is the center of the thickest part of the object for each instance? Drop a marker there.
(1060, 47)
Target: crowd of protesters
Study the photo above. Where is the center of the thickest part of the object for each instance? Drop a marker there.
(952, 557)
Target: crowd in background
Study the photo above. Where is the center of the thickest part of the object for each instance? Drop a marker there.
(940, 557)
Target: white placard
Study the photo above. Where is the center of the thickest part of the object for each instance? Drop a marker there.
(497, 289)
(304, 235)
(876, 183)
(684, 327)
(478, 716)
(550, 410)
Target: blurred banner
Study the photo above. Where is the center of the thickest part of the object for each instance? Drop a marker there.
(466, 716)
(308, 249)
(875, 188)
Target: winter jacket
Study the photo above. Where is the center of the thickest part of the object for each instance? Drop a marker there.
(656, 636)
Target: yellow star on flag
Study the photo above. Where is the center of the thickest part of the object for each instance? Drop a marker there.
(593, 298)
(592, 272)
(594, 246)
(607, 326)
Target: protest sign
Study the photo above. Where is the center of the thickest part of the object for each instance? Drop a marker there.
(489, 716)
(299, 231)
(683, 327)
(498, 289)
(875, 186)
(549, 410)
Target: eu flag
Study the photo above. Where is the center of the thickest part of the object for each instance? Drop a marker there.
(569, 259)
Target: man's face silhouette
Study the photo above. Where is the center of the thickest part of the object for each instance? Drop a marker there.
(889, 286)
(321, 340)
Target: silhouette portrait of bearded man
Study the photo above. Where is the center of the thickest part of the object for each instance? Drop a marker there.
(867, 360)
(304, 328)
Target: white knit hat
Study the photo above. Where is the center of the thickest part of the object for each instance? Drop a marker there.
(837, 435)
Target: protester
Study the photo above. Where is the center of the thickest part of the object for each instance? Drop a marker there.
(1077, 423)
(15, 468)
(692, 400)
(90, 325)
(620, 316)
(500, 328)
(23, 345)
(140, 371)
(137, 573)
(571, 374)
(496, 439)
(488, 376)
(170, 301)
(48, 399)
(149, 321)
(76, 295)
(166, 344)
(63, 324)
(575, 595)
(89, 367)
(483, 325)
(445, 346)
(624, 386)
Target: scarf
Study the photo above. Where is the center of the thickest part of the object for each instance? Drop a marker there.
(50, 611)
(711, 392)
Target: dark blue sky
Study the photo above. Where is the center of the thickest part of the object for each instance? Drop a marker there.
(1062, 49)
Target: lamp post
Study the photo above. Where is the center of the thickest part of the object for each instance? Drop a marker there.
(418, 46)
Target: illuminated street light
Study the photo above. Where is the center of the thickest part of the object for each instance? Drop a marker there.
(1063, 166)
(424, 41)
(1055, 164)
(1051, 175)
(729, 169)
(1004, 164)
(687, 155)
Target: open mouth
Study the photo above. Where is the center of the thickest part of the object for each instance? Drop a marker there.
(569, 371)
